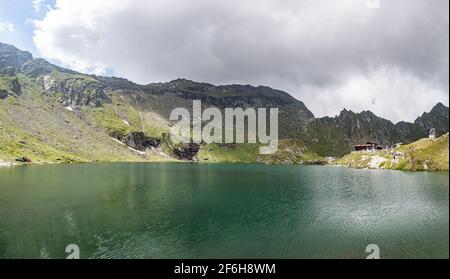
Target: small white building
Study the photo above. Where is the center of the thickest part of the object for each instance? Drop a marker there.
(432, 134)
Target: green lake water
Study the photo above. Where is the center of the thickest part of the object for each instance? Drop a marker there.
(184, 210)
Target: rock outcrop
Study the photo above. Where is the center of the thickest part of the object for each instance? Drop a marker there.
(139, 141)
(187, 152)
(77, 91)
(16, 87)
(3, 94)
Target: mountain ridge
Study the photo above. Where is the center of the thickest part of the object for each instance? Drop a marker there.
(119, 108)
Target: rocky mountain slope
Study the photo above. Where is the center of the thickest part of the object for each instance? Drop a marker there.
(337, 136)
(49, 113)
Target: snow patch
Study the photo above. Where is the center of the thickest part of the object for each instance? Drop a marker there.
(118, 141)
(137, 151)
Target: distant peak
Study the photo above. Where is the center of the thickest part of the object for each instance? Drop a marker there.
(10, 56)
(367, 112)
(345, 112)
(4, 48)
(440, 106)
(180, 80)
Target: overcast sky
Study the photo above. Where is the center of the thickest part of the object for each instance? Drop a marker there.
(391, 58)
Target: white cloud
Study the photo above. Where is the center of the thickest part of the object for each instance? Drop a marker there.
(386, 91)
(322, 52)
(37, 4)
(6, 26)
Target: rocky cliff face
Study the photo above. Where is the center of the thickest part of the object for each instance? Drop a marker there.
(139, 141)
(76, 91)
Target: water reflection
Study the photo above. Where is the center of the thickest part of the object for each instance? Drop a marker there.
(220, 211)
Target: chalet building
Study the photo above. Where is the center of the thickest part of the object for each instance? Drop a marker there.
(370, 145)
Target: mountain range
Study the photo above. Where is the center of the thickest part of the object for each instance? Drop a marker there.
(52, 114)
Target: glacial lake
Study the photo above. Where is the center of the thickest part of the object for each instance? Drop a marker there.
(188, 210)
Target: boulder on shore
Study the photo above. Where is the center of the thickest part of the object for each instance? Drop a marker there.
(23, 160)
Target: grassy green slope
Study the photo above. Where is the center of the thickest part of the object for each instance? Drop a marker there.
(289, 152)
(39, 127)
(424, 154)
